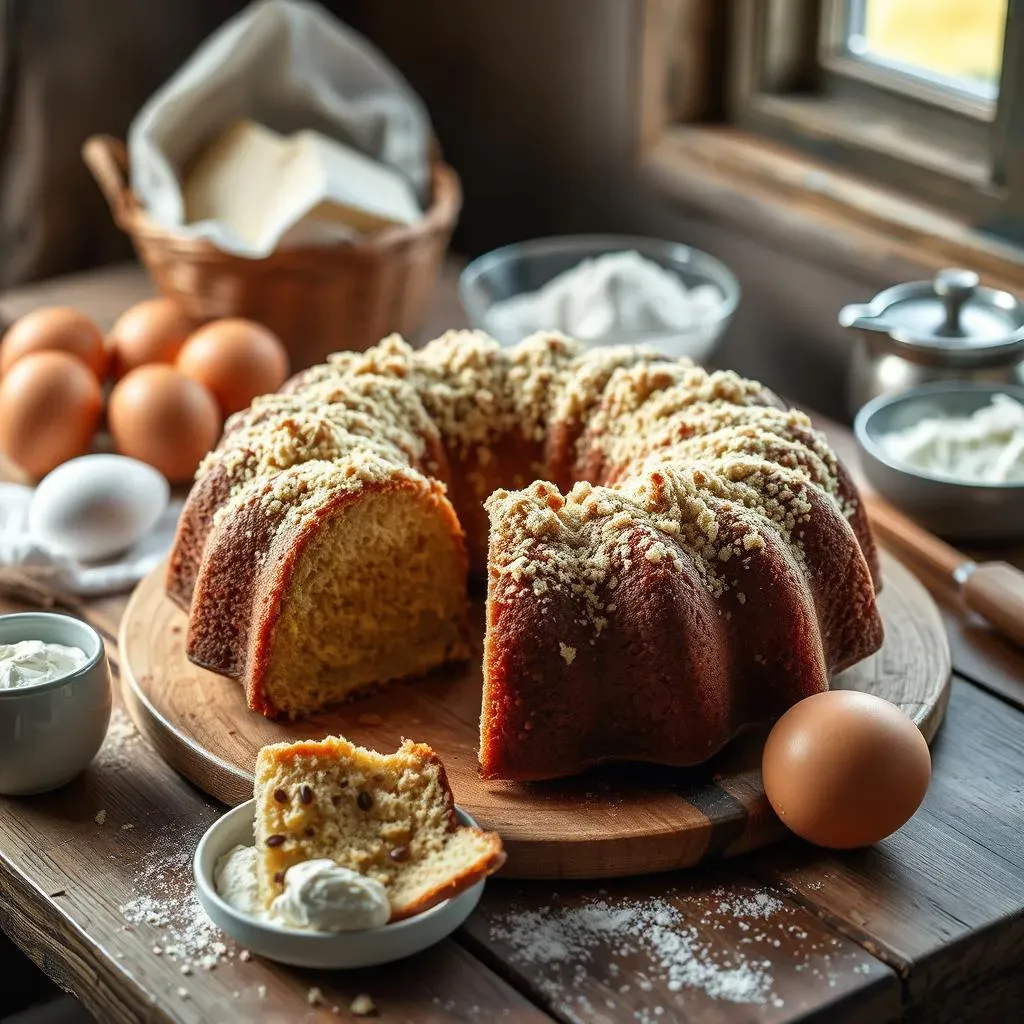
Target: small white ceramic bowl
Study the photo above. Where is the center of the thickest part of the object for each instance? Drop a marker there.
(318, 949)
(50, 732)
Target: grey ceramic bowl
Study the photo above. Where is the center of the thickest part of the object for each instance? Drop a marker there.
(50, 732)
(958, 511)
(528, 266)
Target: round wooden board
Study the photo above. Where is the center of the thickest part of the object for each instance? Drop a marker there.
(619, 820)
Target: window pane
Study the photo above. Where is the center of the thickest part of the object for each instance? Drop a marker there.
(957, 43)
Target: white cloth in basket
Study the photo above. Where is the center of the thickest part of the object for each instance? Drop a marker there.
(289, 65)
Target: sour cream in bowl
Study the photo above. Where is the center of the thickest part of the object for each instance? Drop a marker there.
(54, 700)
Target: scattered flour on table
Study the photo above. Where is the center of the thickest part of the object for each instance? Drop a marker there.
(115, 754)
(756, 905)
(167, 901)
(654, 928)
(630, 947)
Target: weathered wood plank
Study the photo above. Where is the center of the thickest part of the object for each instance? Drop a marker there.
(701, 947)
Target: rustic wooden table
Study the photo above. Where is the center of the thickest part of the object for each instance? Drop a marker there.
(95, 886)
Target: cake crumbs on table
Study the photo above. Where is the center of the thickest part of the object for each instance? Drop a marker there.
(101, 817)
(261, 991)
(363, 1005)
(314, 996)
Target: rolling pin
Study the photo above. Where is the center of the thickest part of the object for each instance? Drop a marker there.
(995, 590)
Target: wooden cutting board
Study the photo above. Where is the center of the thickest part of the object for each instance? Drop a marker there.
(618, 820)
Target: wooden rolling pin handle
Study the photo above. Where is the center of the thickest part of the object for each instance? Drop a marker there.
(995, 590)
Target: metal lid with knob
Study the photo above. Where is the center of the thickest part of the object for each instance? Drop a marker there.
(953, 316)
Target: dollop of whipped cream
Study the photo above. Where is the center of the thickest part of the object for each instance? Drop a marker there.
(614, 297)
(986, 447)
(324, 897)
(31, 662)
(319, 895)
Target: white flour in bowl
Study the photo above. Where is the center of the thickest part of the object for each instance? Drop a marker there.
(618, 296)
(984, 448)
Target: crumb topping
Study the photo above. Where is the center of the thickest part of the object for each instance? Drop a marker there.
(700, 472)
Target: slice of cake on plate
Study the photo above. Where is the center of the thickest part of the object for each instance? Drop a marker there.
(388, 816)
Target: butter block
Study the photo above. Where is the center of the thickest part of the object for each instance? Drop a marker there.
(265, 187)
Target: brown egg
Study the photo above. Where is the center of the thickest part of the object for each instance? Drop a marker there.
(845, 769)
(149, 332)
(50, 405)
(162, 417)
(55, 328)
(237, 360)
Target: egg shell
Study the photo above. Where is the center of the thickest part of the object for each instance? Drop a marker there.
(55, 328)
(159, 416)
(50, 406)
(97, 506)
(237, 360)
(845, 769)
(152, 331)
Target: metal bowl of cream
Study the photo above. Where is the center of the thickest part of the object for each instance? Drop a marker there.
(50, 728)
(603, 290)
(951, 456)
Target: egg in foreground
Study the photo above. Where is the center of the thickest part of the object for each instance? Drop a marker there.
(844, 769)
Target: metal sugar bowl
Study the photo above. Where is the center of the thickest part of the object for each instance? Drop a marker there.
(949, 328)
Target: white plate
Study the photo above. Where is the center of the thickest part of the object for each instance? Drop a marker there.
(318, 949)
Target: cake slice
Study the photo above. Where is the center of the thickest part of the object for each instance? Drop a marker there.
(388, 816)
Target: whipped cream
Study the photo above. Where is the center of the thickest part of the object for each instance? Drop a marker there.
(319, 895)
(235, 879)
(324, 897)
(985, 448)
(31, 662)
(619, 296)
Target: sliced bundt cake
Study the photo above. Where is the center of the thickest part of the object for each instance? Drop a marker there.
(671, 554)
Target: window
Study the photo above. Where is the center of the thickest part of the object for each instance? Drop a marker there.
(947, 51)
(921, 100)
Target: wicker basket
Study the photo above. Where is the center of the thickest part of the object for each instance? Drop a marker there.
(316, 299)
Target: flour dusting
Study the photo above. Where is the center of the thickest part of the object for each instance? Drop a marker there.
(167, 902)
(651, 929)
(115, 754)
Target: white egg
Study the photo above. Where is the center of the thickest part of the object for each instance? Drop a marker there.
(97, 506)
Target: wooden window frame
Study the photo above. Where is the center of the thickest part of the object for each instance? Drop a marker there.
(782, 143)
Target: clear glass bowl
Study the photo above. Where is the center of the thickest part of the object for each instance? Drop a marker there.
(527, 266)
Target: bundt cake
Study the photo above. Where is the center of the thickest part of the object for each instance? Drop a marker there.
(390, 817)
(671, 554)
